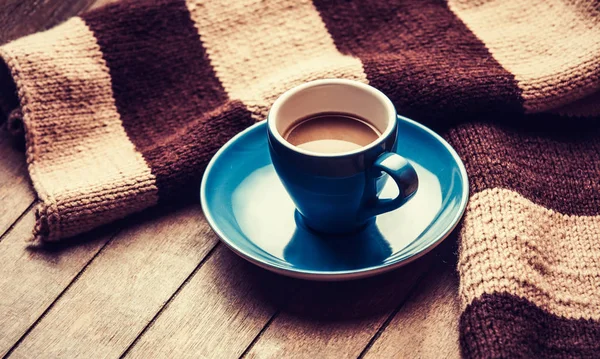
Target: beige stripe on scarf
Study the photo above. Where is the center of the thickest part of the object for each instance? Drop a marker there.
(82, 164)
(512, 245)
(247, 39)
(551, 46)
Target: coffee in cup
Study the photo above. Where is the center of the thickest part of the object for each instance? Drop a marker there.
(331, 132)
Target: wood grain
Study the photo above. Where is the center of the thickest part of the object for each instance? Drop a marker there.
(32, 277)
(16, 194)
(336, 320)
(23, 17)
(427, 325)
(217, 314)
(123, 288)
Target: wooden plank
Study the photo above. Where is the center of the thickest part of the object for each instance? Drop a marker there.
(218, 313)
(121, 291)
(32, 277)
(23, 17)
(337, 320)
(16, 194)
(427, 325)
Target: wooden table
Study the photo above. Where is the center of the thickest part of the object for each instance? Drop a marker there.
(160, 284)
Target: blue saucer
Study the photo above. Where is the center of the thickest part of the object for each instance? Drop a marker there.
(247, 206)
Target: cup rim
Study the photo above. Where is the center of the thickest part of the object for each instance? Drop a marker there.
(387, 103)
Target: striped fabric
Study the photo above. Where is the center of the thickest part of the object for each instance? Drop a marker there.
(124, 106)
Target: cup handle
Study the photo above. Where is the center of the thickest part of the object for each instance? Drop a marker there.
(405, 176)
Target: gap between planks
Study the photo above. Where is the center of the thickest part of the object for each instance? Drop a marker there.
(389, 319)
(12, 225)
(144, 265)
(174, 295)
(9, 352)
(257, 337)
(178, 327)
(427, 325)
(340, 330)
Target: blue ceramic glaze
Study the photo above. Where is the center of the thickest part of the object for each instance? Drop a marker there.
(248, 207)
(338, 192)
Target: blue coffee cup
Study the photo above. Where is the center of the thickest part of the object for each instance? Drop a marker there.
(339, 192)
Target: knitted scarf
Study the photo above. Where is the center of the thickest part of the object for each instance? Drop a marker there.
(124, 106)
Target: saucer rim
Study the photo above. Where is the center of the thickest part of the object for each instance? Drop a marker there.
(333, 275)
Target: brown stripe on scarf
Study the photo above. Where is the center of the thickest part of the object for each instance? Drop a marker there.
(510, 244)
(551, 46)
(588, 106)
(422, 56)
(536, 157)
(173, 107)
(247, 39)
(85, 170)
(501, 325)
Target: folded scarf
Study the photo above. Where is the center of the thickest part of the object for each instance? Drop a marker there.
(123, 107)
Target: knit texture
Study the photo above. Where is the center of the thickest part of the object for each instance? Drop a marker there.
(123, 107)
